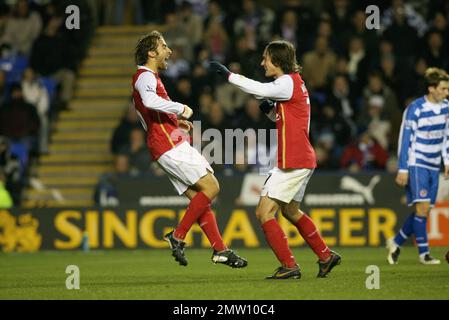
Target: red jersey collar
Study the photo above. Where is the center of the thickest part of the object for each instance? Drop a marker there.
(148, 69)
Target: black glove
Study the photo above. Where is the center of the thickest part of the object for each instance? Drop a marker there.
(220, 69)
(266, 106)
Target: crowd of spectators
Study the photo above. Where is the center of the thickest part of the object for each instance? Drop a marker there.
(39, 59)
(360, 80)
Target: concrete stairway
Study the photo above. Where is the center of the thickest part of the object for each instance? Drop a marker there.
(79, 150)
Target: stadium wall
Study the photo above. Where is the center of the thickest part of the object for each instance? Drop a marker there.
(350, 211)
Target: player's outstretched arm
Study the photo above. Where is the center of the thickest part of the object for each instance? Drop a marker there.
(280, 90)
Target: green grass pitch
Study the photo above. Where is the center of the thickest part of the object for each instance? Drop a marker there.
(153, 274)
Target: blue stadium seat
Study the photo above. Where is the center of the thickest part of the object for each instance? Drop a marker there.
(50, 85)
(20, 150)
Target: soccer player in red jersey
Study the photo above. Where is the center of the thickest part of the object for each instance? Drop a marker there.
(287, 103)
(165, 123)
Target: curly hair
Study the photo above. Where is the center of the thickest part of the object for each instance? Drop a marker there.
(147, 43)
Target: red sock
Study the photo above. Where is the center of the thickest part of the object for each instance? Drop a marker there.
(209, 226)
(312, 236)
(277, 240)
(196, 208)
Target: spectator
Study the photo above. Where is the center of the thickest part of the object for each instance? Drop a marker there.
(11, 166)
(216, 40)
(36, 94)
(3, 90)
(121, 134)
(378, 127)
(192, 23)
(319, 65)
(391, 74)
(390, 110)
(50, 57)
(358, 61)
(138, 155)
(369, 37)
(205, 102)
(403, 37)
(256, 20)
(440, 24)
(106, 193)
(252, 117)
(176, 36)
(333, 126)
(433, 54)
(410, 16)
(288, 29)
(230, 97)
(177, 66)
(325, 30)
(341, 99)
(22, 28)
(19, 120)
(184, 93)
(339, 12)
(5, 197)
(246, 57)
(364, 154)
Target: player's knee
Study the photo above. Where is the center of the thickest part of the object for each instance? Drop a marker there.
(262, 215)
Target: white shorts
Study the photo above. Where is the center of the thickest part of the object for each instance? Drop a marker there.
(184, 166)
(286, 185)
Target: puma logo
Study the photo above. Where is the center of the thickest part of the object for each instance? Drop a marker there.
(351, 184)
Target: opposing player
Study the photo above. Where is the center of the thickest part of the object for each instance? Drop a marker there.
(424, 138)
(187, 169)
(288, 105)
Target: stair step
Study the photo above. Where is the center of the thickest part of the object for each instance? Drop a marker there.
(88, 136)
(76, 159)
(91, 114)
(73, 168)
(124, 71)
(51, 182)
(56, 204)
(125, 41)
(78, 147)
(110, 51)
(64, 191)
(108, 61)
(104, 82)
(103, 92)
(97, 103)
(86, 124)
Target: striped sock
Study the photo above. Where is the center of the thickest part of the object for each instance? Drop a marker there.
(406, 231)
(419, 228)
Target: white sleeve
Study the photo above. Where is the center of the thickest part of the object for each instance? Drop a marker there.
(146, 85)
(280, 90)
